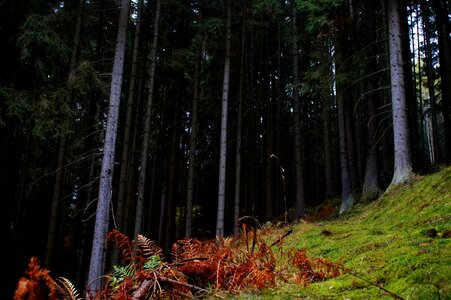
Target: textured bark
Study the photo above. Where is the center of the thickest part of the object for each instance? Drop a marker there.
(97, 263)
(147, 122)
(297, 113)
(193, 146)
(403, 165)
(444, 46)
(347, 197)
(172, 179)
(124, 176)
(370, 188)
(223, 141)
(327, 150)
(434, 145)
(237, 198)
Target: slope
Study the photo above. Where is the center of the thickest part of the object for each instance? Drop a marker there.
(400, 242)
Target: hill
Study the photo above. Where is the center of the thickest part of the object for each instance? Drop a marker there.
(400, 242)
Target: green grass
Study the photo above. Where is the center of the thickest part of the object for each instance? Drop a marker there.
(385, 241)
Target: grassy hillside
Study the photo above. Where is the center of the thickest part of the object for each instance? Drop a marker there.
(400, 242)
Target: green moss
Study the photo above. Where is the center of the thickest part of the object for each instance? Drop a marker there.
(395, 242)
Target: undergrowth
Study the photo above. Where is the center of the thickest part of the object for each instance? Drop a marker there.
(397, 247)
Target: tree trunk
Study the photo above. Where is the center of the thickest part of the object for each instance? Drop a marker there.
(223, 141)
(444, 46)
(297, 113)
(193, 144)
(327, 149)
(434, 145)
(147, 123)
(370, 188)
(239, 126)
(125, 156)
(97, 263)
(347, 197)
(403, 165)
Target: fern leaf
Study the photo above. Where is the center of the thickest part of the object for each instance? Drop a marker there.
(176, 252)
(148, 246)
(67, 290)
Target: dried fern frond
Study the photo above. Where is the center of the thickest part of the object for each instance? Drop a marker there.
(176, 252)
(38, 284)
(191, 248)
(67, 290)
(148, 246)
(123, 244)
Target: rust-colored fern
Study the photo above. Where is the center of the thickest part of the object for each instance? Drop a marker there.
(148, 247)
(123, 244)
(314, 269)
(37, 284)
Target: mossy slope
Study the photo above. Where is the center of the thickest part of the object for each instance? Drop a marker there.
(398, 242)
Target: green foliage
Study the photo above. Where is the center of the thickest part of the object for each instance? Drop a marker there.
(152, 263)
(120, 273)
(317, 13)
(19, 103)
(41, 46)
(267, 8)
(210, 28)
(45, 113)
(85, 79)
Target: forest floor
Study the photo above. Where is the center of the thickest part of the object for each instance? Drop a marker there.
(397, 246)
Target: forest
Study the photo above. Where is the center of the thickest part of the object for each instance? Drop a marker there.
(172, 119)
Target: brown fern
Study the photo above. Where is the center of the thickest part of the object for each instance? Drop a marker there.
(66, 290)
(37, 284)
(123, 244)
(149, 247)
(314, 269)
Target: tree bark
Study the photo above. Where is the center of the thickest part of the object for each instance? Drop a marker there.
(434, 145)
(193, 146)
(97, 263)
(239, 126)
(444, 46)
(223, 141)
(403, 164)
(147, 122)
(370, 188)
(124, 176)
(297, 113)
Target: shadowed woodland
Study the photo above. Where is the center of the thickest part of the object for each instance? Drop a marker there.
(191, 125)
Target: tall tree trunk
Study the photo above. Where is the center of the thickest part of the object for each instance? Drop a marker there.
(434, 144)
(239, 126)
(444, 46)
(147, 123)
(193, 145)
(370, 188)
(62, 146)
(327, 149)
(172, 181)
(97, 263)
(297, 113)
(223, 141)
(347, 197)
(403, 164)
(125, 156)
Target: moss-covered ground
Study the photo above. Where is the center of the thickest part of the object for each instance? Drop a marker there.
(399, 242)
